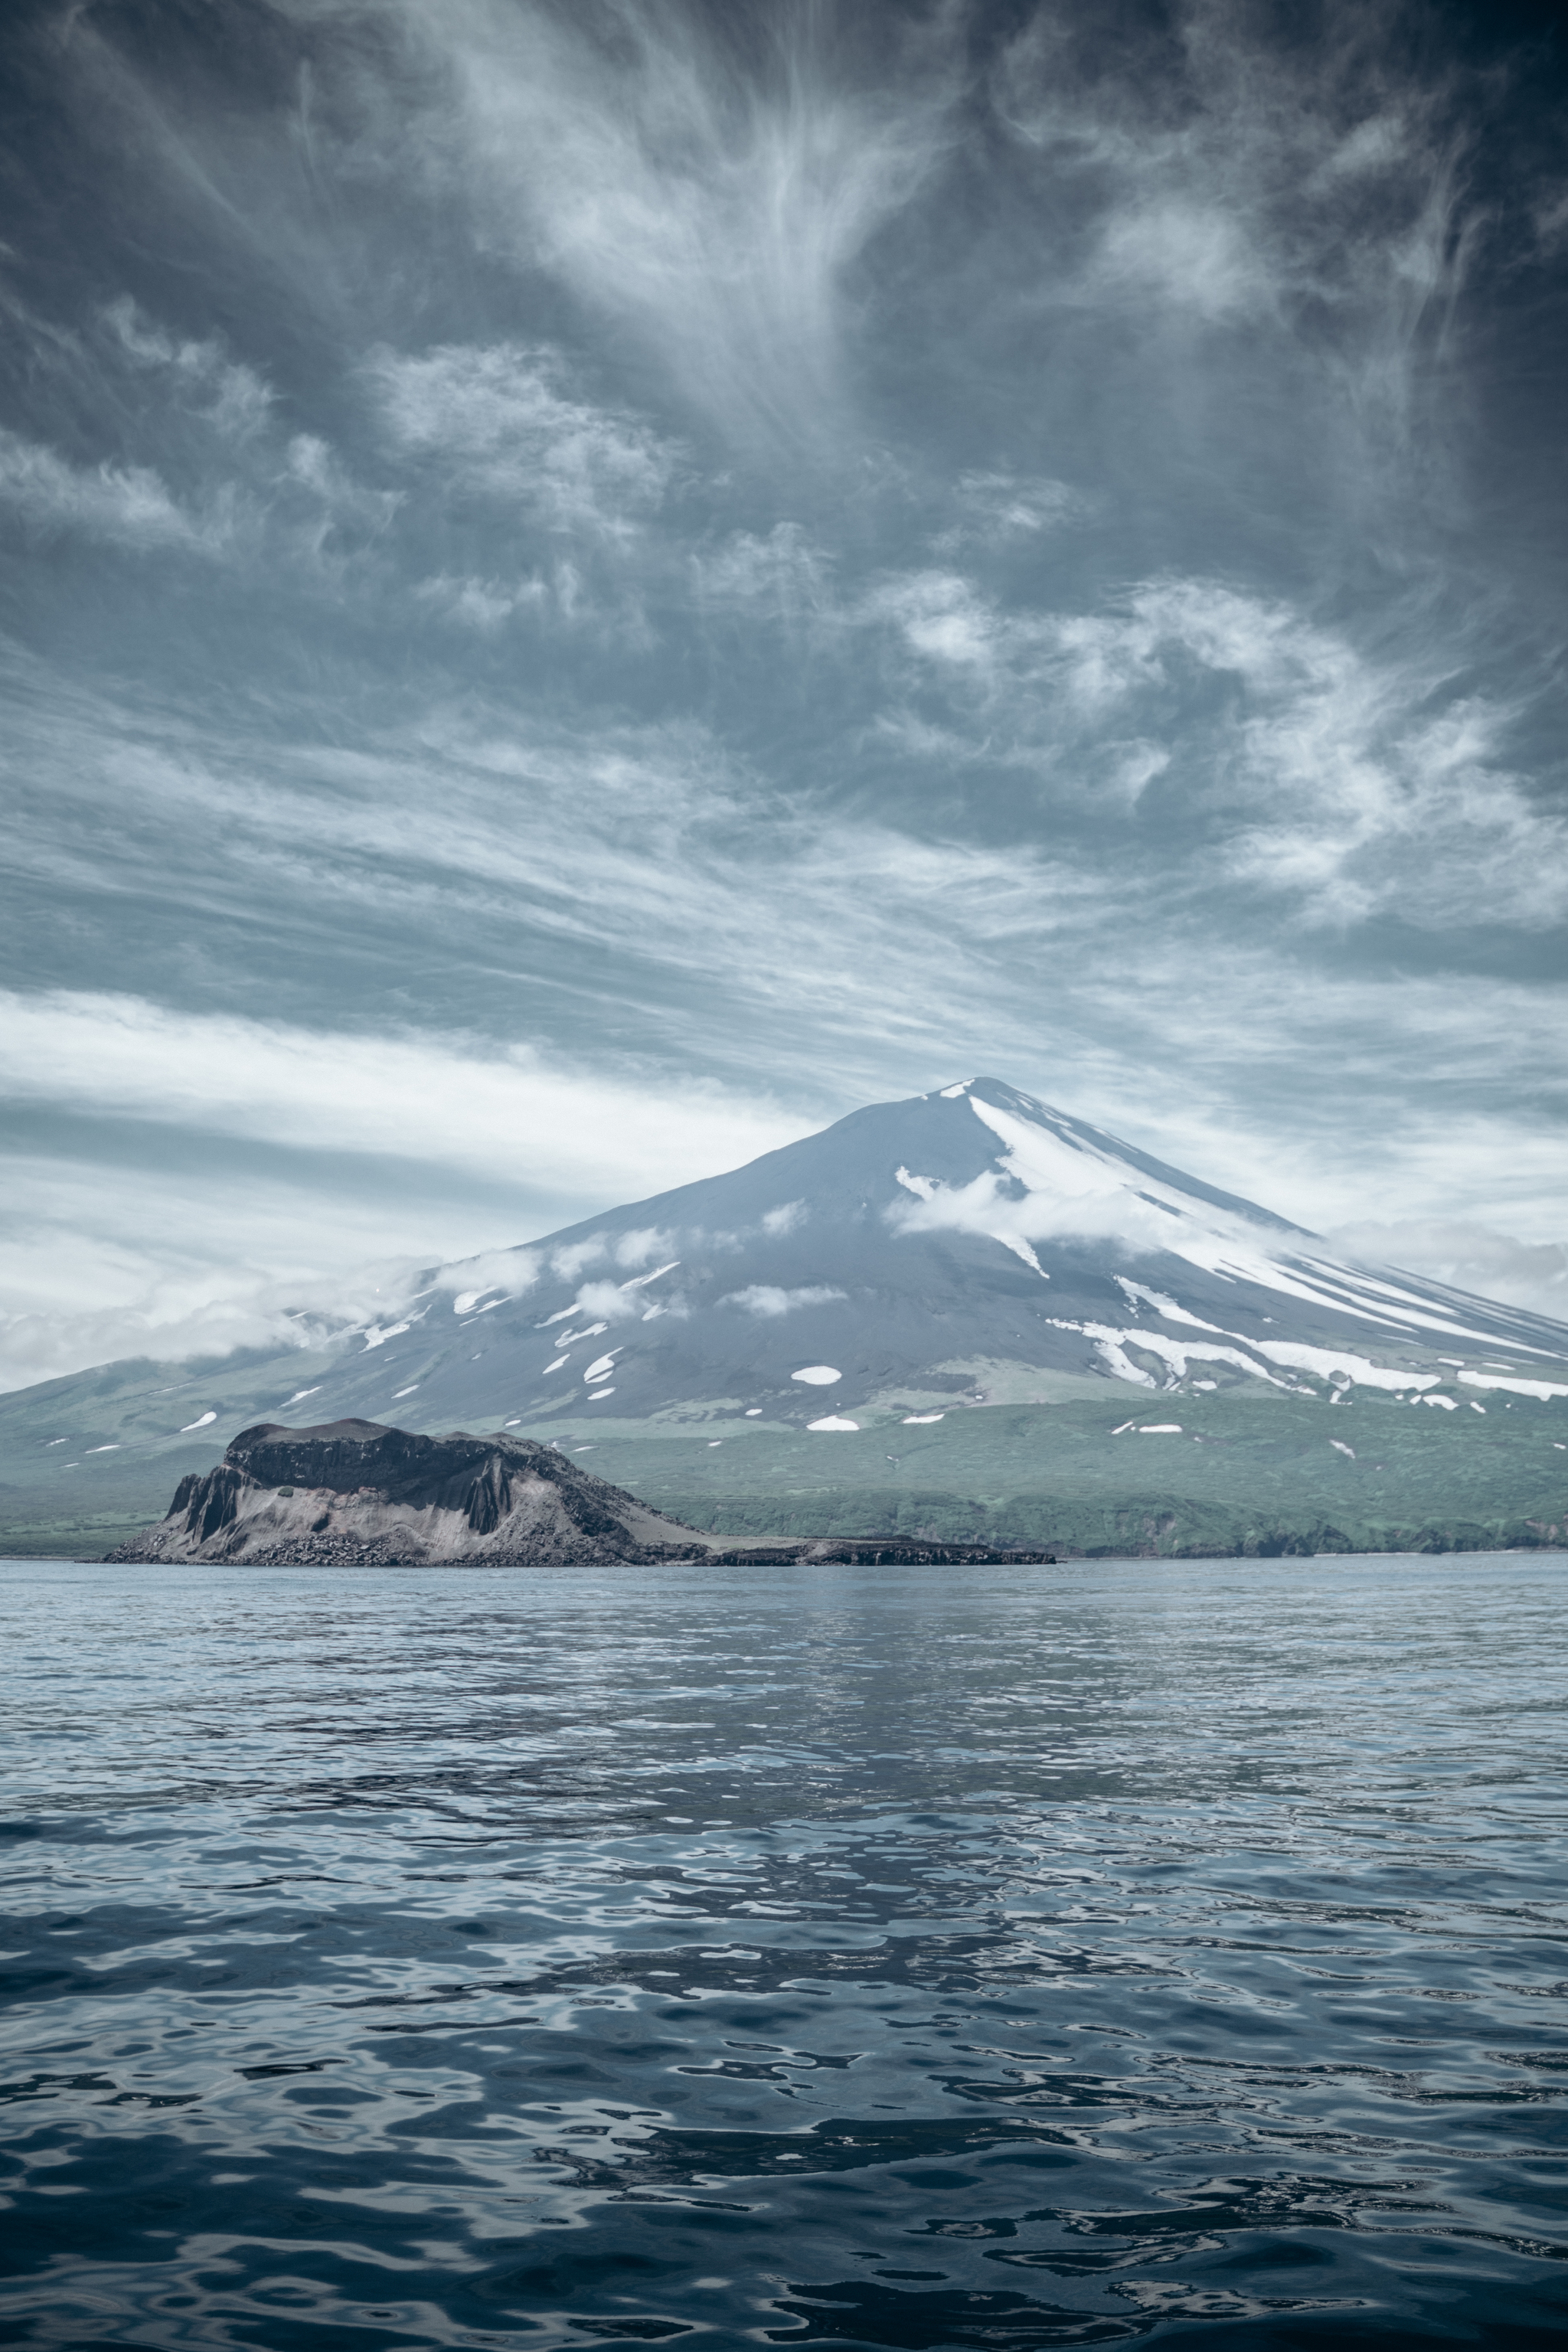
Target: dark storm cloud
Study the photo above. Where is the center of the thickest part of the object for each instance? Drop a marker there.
(587, 587)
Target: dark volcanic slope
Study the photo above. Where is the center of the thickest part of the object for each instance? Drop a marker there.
(351, 1491)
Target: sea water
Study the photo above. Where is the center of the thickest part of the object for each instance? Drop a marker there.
(829, 1955)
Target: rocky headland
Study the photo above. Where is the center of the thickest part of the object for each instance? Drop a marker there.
(357, 1494)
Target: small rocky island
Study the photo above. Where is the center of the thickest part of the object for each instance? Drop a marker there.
(356, 1493)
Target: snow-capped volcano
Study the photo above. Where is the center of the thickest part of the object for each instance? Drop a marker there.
(960, 1245)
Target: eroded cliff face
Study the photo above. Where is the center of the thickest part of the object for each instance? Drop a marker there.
(354, 1492)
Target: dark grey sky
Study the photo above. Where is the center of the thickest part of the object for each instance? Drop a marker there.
(588, 587)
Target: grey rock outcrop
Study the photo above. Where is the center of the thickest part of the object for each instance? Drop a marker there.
(354, 1492)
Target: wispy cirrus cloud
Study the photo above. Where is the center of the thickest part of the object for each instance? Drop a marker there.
(650, 853)
(487, 605)
(714, 208)
(1348, 785)
(498, 419)
(1228, 177)
(321, 1091)
(205, 463)
(234, 400)
(1007, 508)
(322, 511)
(129, 506)
(780, 575)
(658, 545)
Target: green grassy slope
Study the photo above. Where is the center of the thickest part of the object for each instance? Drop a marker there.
(86, 1462)
(1246, 1472)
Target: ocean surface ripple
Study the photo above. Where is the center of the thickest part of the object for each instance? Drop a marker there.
(822, 1956)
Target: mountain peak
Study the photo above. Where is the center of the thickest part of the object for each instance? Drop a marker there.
(967, 1247)
(961, 1244)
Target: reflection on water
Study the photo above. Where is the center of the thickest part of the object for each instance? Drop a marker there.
(847, 1956)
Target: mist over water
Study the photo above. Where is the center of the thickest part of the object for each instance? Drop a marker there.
(827, 1956)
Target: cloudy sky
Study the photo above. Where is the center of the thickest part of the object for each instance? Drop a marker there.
(587, 587)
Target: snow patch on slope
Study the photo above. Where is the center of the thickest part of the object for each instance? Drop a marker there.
(1326, 1361)
(1542, 1389)
(1290, 1355)
(378, 1334)
(1134, 1291)
(1176, 1354)
(1052, 1182)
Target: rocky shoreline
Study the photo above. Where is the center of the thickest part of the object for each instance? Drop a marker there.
(356, 1493)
